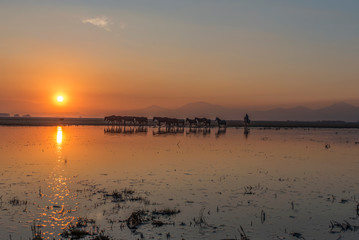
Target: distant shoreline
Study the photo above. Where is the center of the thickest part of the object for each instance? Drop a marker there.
(51, 121)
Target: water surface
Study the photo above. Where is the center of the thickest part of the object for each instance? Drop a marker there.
(273, 183)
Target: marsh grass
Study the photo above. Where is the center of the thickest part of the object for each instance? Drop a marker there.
(36, 232)
(83, 227)
(125, 195)
(16, 202)
(251, 190)
(337, 227)
(242, 233)
(140, 217)
(166, 212)
(137, 218)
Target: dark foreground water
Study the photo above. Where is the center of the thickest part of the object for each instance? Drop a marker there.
(143, 183)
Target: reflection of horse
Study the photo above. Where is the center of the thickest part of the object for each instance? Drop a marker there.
(117, 130)
(203, 122)
(246, 120)
(221, 123)
(198, 131)
(220, 131)
(125, 130)
(191, 122)
(141, 129)
(168, 131)
(246, 132)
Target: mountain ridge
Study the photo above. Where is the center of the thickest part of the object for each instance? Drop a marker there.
(340, 111)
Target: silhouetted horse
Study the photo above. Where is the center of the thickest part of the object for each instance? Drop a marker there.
(191, 122)
(180, 122)
(110, 119)
(142, 121)
(161, 120)
(158, 120)
(203, 121)
(130, 120)
(221, 123)
(169, 122)
(118, 120)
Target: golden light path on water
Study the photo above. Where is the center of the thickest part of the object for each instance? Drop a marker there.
(56, 214)
(59, 137)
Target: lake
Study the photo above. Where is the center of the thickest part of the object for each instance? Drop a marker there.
(148, 183)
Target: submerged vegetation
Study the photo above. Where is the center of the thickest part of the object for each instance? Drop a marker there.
(158, 218)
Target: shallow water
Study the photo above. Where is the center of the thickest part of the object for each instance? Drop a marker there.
(272, 183)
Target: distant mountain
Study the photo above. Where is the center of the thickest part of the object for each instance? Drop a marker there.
(201, 109)
(283, 114)
(146, 112)
(339, 111)
(335, 112)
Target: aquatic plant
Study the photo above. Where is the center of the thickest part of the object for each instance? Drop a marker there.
(36, 232)
(337, 227)
(297, 235)
(166, 212)
(201, 220)
(125, 195)
(16, 202)
(79, 229)
(263, 216)
(136, 219)
(242, 233)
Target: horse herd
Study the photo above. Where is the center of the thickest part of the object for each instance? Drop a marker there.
(164, 121)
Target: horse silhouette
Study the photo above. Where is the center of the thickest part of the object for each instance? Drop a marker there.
(169, 122)
(191, 122)
(221, 123)
(141, 121)
(203, 122)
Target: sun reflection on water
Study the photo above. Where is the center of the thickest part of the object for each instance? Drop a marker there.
(59, 135)
(58, 201)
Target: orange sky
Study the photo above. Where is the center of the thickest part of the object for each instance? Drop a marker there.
(121, 55)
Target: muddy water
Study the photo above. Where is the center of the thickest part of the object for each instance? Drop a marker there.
(275, 184)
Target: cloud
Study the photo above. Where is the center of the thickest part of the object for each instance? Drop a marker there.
(101, 22)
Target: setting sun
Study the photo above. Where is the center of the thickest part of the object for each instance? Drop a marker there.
(60, 98)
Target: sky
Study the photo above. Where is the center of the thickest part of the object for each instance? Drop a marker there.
(111, 55)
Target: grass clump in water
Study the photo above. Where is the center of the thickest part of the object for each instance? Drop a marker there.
(166, 212)
(136, 219)
(16, 202)
(82, 228)
(36, 232)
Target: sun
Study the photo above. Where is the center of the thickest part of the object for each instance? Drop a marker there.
(60, 98)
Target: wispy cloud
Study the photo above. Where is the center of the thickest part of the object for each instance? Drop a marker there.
(101, 22)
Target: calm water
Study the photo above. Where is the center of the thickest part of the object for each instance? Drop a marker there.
(273, 183)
